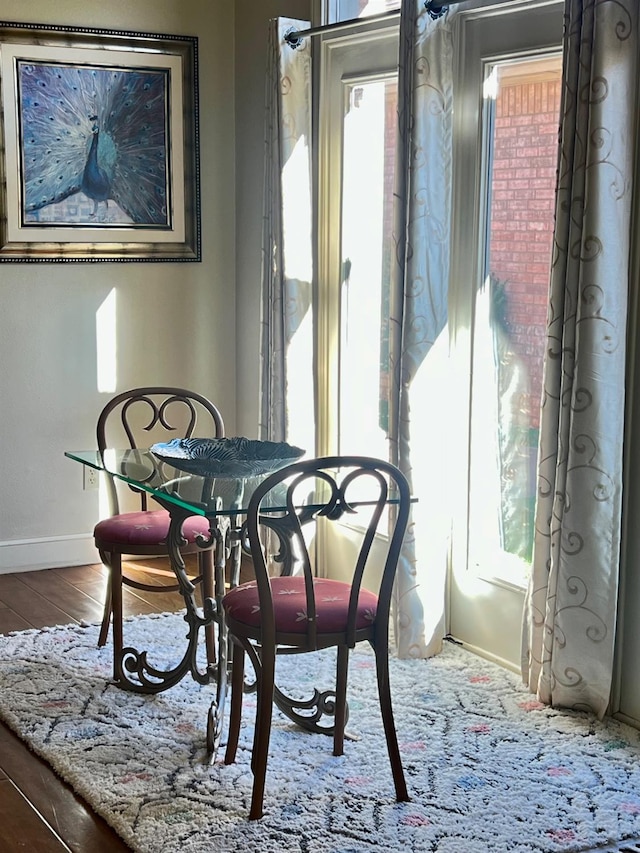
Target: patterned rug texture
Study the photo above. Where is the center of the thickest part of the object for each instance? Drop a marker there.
(489, 769)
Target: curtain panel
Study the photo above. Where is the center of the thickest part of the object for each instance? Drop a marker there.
(570, 612)
(287, 384)
(419, 319)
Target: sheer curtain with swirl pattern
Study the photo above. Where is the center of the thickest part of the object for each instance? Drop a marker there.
(571, 607)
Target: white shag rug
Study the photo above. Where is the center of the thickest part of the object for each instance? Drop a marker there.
(489, 769)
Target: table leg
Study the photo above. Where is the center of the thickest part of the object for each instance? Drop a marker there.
(215, 718)
(138, 675)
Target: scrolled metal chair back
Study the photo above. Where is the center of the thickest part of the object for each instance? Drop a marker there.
(335, 488)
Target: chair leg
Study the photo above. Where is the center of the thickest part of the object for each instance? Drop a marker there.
(116, 606)
(340, 718)
(262, 732)
(235, 713)
(106, 616)
(386, 709)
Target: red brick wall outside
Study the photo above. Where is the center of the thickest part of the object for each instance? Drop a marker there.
(522, 219)
(522, 208)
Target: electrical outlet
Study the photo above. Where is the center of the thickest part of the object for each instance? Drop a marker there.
(90, 480)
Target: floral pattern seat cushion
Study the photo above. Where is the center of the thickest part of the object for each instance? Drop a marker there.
(290, 605)
(146, 528)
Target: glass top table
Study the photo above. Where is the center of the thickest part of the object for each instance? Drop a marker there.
(224, 501)
(207, 496)
(210, 496)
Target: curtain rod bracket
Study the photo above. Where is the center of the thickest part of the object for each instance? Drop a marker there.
(293, 38)
(434, 9)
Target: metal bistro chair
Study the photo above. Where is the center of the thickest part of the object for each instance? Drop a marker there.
(138, 418)
(264, 616)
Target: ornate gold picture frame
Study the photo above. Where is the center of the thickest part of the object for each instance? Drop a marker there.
(99, 157)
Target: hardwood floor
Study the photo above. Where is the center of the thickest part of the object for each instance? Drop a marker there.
(38, 812)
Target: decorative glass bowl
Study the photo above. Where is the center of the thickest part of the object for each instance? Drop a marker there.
(226, 457)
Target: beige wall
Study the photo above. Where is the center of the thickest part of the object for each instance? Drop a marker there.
(175, 322)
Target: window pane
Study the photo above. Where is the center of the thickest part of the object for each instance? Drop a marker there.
(367, 209)
(511, 311)
(347, 10)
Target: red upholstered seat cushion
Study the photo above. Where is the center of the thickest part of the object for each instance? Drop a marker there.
(145, 528)
(289, 604)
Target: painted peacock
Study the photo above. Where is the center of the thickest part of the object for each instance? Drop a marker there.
(101, 132)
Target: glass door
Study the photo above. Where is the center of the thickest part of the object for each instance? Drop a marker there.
(522, 99)
(508, 150)
(505, 158)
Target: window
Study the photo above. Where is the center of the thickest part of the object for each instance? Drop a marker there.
(346, 10)
(521, 116)
(356, 179)
(368, 158)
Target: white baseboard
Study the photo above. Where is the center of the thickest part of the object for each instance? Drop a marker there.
(26, 555)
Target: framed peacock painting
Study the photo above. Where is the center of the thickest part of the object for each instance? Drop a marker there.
(99, 150)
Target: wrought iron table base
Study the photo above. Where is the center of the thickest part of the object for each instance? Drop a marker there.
(133, 671)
